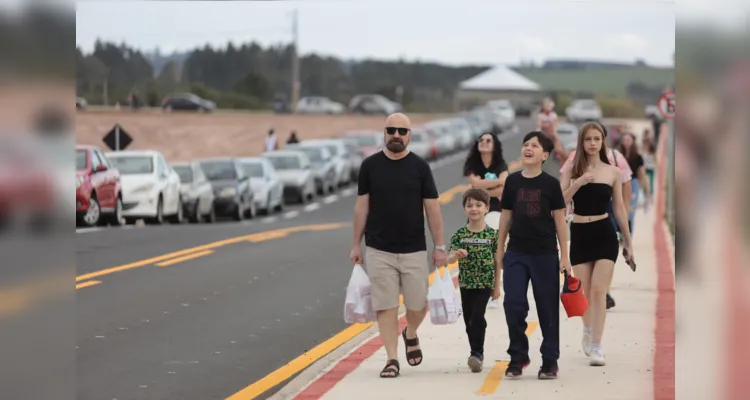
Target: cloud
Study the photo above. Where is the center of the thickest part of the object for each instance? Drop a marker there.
(630, 41)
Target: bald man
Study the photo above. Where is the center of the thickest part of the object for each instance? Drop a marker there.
(396, 190)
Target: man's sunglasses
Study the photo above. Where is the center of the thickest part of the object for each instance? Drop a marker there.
(401, 131)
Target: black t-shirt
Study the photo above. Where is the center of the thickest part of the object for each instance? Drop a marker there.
(495, 170)
(397, 188)
(635, 163)
(532, 200)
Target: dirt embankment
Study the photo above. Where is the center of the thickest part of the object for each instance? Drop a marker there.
(185, 136)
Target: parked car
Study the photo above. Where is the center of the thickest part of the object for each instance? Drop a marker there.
(322, 166)
(150, 188)
(319, 105)
(505, 111)
(444, 136)
(373, 104)
(295, 172)
(568, 135)
(187, 102)
(355, 158)
(583, 110)
(197, 192)
(233, 196)
(421, 144)
(268, 189)
(340, 158)
(98, 188)
(368, 142)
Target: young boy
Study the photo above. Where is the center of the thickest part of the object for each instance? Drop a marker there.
(475, 246)
(534, 213)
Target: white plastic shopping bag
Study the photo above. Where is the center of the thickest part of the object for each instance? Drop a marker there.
(445, 304)
(358, 305)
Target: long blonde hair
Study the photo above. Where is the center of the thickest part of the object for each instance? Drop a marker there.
(580, 161)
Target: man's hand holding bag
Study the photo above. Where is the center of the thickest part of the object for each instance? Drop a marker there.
(358, 304)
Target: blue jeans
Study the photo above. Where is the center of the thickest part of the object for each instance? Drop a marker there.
(635, 194)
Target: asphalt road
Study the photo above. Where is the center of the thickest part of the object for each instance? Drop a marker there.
(261, 294)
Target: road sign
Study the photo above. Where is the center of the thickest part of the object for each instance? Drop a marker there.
(117, 139)
(667, 104)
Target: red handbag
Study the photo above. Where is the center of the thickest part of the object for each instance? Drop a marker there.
(572, 297)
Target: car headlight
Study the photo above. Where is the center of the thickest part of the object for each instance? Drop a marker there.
(79, 181)
(228, 192)
(145, 188)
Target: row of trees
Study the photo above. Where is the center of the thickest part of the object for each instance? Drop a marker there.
(250, 76)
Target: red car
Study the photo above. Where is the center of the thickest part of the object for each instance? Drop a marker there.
(98, 191)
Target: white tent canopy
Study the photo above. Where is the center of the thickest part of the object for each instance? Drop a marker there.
(500, 78)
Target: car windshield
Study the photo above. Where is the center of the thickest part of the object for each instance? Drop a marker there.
(133, 165)
(253, 169)
(185, 173)
(587, 104)
(366, 141)
(219, 170)
(315, 155)
(80, 159)
(282, 163)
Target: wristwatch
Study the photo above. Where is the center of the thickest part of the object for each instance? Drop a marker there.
(442, 248)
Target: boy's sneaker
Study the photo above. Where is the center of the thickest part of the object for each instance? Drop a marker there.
(548, 371)
(475, 362)
(515, 370)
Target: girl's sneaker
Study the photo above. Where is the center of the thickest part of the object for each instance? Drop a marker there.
(596, 358)
(586, 343)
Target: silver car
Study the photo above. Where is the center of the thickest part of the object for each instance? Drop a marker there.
(323, 166)
(197, 193)
(568, 135)
(265, 183)
(294, 170)
(340, 157)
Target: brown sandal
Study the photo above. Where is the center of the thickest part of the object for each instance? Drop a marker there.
(411, 356)
(389, 371)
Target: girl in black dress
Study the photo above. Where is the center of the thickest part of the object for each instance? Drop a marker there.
(486, 168)
(591, 183)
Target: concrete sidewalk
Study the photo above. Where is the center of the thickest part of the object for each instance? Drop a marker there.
(629, 346)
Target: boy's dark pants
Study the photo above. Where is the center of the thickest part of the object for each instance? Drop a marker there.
(474, 304)
(544, 273)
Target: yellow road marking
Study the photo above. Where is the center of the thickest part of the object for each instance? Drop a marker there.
(447, 196)
(87, 284)
(208, 246)
(184, 258)
(308, 358)
(493, 379)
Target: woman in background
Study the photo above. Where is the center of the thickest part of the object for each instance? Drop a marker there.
(629, 149)
(485, 168)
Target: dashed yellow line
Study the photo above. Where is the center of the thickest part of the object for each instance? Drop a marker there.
(493, 379)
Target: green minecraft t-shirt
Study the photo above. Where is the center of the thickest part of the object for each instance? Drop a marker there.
(476, 270)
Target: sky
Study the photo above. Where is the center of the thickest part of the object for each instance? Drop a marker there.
(450, 32)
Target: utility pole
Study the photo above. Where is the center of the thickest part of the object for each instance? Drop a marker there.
(295, 64)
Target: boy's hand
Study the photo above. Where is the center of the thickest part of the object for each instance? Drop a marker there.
(461, 253)
(496, 290)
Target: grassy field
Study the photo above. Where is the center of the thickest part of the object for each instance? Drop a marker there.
(613, 82)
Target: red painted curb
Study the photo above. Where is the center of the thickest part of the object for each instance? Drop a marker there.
(322, 385)
(664, 335)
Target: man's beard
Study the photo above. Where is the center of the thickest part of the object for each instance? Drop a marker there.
(395, 145)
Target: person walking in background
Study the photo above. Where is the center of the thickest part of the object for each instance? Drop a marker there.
(272, 141)
(396, 191)
(629, 149)
(547, 123)
(618, 160)
(475, 246)
(292, 138)
(485, 168)
(534, 216)
(649, 156)
(592, 183)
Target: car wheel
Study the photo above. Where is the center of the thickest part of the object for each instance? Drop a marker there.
(196, 217)
(250, 211)
(158, 219)
(280, 207)
(179, 216)
(93, 214)
(117, 219)
(211, 216)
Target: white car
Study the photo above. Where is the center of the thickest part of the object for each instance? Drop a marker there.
(150, 187)
(421, 144)
(294, 169)
(445, 137)
(268, 190)
(504, 111)
(568, 135)
(340, 158)
(583, 110)
(319, 105)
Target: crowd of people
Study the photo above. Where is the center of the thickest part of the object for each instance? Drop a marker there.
(593, 202)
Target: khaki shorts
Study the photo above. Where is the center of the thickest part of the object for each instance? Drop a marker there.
(393, 274)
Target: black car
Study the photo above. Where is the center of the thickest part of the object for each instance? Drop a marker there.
(233, 195)
(187, 102)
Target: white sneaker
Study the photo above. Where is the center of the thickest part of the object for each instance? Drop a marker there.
(596, 358)
(586, 344)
